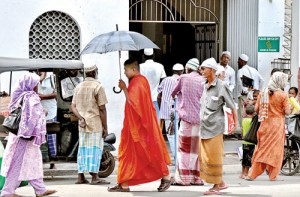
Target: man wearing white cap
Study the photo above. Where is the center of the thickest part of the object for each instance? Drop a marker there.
(166, 102)
(154, 73)
(229, 77)
(212, 126)
(88, 105)
(188, 89)
(246, 73)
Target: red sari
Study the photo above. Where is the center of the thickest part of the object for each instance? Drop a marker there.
(143, 156)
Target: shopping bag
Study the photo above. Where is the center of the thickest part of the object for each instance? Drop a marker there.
(239, 151)
(229, 122)
(251, 135)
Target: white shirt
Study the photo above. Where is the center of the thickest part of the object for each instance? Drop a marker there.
(229, 78)
(252, 73)
(48, 87)
(153, 71)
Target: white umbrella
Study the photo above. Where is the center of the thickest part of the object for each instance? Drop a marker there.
(118, 41)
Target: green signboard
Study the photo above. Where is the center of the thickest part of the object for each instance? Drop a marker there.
(268, 44)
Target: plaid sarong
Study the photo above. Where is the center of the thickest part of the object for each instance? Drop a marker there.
(52, 144)
(89, 151)
(188, 167)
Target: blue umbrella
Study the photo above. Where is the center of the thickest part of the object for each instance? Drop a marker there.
(118, 41)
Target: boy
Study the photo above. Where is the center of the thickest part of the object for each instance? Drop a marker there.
(248, 148)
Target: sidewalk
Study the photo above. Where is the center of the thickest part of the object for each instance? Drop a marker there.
(232, 163)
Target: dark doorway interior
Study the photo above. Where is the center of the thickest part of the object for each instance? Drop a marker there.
(178, 44)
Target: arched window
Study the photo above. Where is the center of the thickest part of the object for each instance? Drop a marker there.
(54, 35)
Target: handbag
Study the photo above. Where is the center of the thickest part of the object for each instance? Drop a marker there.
(12, 121)
(251, 135)
(247, 82)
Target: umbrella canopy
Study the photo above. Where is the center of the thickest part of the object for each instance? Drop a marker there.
(118, 41)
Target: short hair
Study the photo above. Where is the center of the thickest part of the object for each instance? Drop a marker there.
(256, 91)
(132, 62)
(294, 88)
(275, 70)
(250, 109)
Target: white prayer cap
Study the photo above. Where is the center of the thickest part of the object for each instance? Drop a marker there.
(148, 51)
(192, 64)
(210, 63)
(220, 70)
(226, 53)
(178, 67)
(244, 57)
(90, 68)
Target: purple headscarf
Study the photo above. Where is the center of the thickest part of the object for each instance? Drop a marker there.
(33, 123)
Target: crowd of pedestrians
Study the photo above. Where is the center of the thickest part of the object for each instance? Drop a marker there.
(189, 106)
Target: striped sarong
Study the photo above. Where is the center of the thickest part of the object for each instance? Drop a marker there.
(89, 151)
(188, 166)
(211, 159)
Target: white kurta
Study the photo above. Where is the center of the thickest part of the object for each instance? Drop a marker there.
(229, 78)
(153, 72)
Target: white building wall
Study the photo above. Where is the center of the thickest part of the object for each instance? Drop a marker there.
(270, 23)
(242, 25)
(246, 21)
(295, 57)
(242, 30)
(93, 17)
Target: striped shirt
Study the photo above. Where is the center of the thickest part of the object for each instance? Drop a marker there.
(189, 88)
(166, 87)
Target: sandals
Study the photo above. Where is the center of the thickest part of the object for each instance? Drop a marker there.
(82, 182)
(46, 193)
(212, 192)
(99, 182)
(223, 187)
(247, 178)
(118, 188)
(165, 184)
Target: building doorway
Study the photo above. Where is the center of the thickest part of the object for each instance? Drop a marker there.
(182, 29)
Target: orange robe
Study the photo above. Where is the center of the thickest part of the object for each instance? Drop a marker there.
(143, 155)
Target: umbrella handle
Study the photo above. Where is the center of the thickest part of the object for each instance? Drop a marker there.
(117, 92)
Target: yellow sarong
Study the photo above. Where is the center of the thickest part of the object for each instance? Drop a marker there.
(211, 159)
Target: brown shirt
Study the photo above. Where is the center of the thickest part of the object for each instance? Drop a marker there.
(88, 96)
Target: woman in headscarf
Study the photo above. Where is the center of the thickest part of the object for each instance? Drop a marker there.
(22, 159)
(272, 105)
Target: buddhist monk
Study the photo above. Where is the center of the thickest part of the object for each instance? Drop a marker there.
(143, 155)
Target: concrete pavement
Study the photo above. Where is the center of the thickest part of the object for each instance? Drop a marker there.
(285, 186)
(232, 164)
(262, 187)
